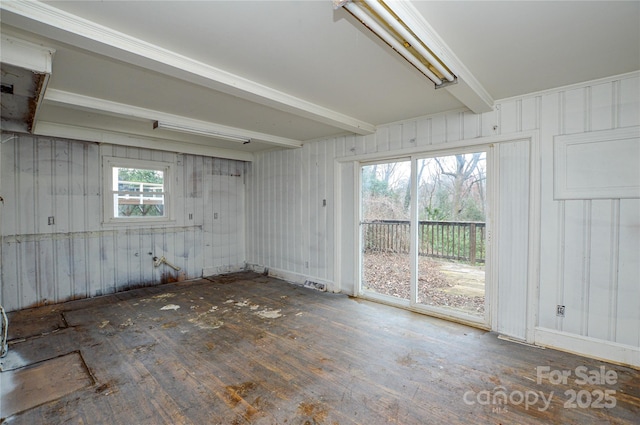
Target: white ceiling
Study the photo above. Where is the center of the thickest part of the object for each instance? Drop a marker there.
(287, 72)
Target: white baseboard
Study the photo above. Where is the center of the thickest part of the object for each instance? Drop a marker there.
(229, 268)
(608, 351)
(292, 277)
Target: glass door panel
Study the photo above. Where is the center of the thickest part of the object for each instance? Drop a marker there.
(452, 213)
(385, 230)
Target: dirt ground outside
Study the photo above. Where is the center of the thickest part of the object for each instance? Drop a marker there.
(441, 283)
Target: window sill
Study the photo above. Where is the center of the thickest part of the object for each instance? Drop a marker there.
(139, 221)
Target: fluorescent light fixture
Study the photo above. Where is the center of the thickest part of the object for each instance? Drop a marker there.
(383, 22)
(200, 132)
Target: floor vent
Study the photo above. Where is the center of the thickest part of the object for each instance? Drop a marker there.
(315, 285)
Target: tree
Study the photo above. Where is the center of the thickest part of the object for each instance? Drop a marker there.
(462, 171)
(140, 175)
(450, 188)
(382, 188)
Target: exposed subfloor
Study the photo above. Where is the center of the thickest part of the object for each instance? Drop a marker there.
(249, 349)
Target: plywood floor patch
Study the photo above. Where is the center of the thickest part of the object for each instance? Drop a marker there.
(45, 324)
(33, 385)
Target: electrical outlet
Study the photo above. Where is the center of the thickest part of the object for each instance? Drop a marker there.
(51, 221)
(560, 310)
(190, 216)
(215, 216)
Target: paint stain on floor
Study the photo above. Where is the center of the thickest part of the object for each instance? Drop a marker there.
(269, 314)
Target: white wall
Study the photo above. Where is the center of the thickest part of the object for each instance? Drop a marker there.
(80, 257)
(288, 228)
(581, 254)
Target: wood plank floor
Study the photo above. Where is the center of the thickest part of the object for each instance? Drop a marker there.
(249, 349)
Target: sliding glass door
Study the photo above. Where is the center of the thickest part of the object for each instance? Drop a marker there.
(423, 227)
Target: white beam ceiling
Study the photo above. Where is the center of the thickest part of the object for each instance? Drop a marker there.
(67, 28)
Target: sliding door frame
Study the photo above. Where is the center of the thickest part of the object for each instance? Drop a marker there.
(412, 304)
(347, 230)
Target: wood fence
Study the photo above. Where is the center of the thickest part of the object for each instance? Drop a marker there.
(454, 240)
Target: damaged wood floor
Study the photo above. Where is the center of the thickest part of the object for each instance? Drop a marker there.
(249, 349)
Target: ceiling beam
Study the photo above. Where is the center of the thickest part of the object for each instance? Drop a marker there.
(24, 54)
(61, 26)
(78, 101)
(115, 138)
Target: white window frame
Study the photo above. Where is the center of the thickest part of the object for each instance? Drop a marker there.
(109, 163)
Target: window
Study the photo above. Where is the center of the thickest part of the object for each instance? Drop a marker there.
(136, 190)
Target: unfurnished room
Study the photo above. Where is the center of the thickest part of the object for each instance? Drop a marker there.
(320, 212)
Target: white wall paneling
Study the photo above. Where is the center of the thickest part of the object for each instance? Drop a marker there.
(590, 230)
(597, 165)
(512, 238)
(580, 253)
(78, 256)
(290, 213)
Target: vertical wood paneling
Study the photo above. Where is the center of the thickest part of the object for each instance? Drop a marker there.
(423, 132)
(395, 137)
(573, 277)
(10, 290)
(578, 238)
(381, 138)
(28, 278)
(294, 220)
(487, 122)
(509, 121)
(266, 211)
(318, 225)
(306, 187)
(601, 257)
(629, 108)
(574, 111)
(628, 313)
(587, 251)
(454, 126)
(280, 235)
(287, 231)
(438, 129)
(250, 205)
(551, 235)
(275, 237)
(107, 274)
(471, 126)
(78, 256)
(215, 212)
(330, 172)
(409, 134)
(300, 237)
(529, 113)
(601, 107)
(63, 265)
(513, 233)
(347, 243)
